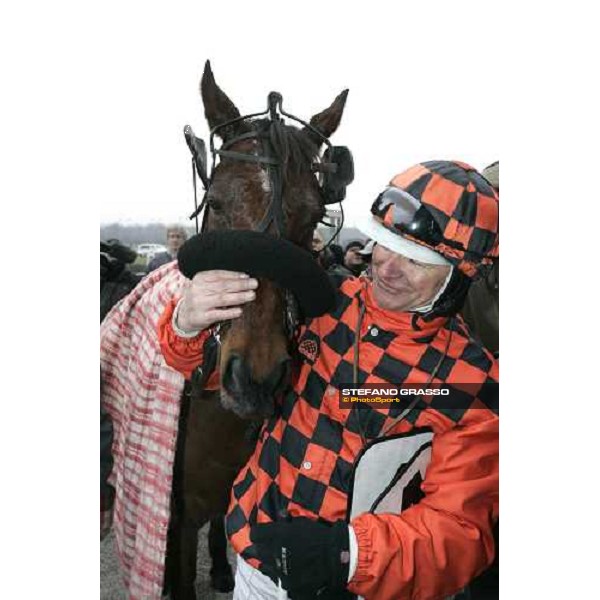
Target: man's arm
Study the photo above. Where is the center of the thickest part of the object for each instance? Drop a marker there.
(436, 547)
(211, 297)
(182, 353)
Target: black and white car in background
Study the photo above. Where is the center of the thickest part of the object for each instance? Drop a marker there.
(149, 250)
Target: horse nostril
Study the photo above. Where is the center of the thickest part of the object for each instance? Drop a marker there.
(238, 377)
(280, 377)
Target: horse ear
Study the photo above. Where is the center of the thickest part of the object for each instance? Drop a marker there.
(328, 121)
(218, 108)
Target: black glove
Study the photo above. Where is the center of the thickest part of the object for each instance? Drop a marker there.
(311, 559)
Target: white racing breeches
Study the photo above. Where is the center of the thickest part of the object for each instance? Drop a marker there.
(251, 584)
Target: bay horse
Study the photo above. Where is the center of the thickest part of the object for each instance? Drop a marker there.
(254, 359)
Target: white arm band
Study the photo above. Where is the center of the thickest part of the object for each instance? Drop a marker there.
(353, 552)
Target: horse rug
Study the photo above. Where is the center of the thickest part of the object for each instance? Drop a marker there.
(142, 396)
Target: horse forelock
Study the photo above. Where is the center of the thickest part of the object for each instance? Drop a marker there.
(292, 147)
(296, 152)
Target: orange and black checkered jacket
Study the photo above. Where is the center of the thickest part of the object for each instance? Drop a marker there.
(303, 461)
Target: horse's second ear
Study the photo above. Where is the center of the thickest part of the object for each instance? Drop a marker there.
(328, 121)
(218, 108)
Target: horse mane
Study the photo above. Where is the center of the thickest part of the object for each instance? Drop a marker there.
(291, 146)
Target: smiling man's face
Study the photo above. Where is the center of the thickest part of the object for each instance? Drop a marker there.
(400, 283)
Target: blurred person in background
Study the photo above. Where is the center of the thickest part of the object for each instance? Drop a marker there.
(353, 260)
(482, 306)
(481, 312)
(367, 255)
(176, 236)
(116, 278)
(353, 264)
(324, 254)
(116, 281)
(337, 255)
(318, 243)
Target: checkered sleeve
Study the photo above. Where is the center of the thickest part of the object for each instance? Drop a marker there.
(437, 546)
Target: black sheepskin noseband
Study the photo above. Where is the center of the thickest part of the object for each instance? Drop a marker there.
(261, 255)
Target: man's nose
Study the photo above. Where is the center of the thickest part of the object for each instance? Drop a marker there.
(393, 267)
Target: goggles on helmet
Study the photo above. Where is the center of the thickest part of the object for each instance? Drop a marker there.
(399, 212)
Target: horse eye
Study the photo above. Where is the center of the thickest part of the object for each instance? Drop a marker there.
(215, 204)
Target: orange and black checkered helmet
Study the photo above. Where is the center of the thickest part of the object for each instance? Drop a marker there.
(446, 206)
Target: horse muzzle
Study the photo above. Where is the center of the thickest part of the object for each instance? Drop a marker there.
(247, 397)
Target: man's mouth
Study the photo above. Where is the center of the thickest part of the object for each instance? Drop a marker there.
(388, 288)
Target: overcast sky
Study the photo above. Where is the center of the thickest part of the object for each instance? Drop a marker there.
(420, 88)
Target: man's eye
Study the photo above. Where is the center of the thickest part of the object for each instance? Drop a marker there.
(412, 261)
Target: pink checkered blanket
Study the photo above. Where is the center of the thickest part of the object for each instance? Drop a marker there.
(142, 395)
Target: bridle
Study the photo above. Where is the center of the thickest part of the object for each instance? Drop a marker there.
(336, 164)
(335, 168)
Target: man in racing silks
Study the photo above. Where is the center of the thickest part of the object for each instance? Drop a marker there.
(385, 503)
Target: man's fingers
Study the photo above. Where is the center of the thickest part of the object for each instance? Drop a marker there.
(229, 286)
(233, 299)
(215, 296)
(224, 314)
(218, 275)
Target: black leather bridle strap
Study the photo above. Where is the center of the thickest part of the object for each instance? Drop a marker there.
(248, 157)
(274, 211)
(277, 201)
(211, 354)
(196, 209)
(242, 136)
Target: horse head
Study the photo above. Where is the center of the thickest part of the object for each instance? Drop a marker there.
(264, 181)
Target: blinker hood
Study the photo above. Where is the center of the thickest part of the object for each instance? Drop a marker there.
(261, 255)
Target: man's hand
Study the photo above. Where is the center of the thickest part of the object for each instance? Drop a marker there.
(214, 296)
(311, 559)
